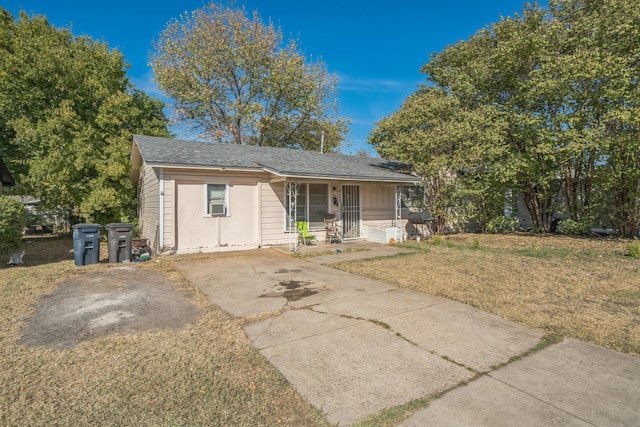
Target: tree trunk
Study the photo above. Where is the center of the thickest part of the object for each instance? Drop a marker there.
(538, 204)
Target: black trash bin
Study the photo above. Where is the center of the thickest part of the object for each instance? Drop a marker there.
(119, 241)
(86, 244)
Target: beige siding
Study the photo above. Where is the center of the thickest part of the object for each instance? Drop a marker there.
(257, 209)
(273, 214)
(378, 205)
(188, 228)
(169, 217)
(379, 208)
(149, 205)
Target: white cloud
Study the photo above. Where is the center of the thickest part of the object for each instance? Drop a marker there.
(375, 84)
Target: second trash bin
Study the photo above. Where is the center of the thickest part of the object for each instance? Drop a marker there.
(86, 244)
(119, 236)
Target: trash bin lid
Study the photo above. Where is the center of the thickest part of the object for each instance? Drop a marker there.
(124, 225)
(98, 226)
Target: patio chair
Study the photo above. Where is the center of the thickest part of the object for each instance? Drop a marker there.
(331, 231)
(303, 234)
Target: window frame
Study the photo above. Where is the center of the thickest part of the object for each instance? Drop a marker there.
(226, 203)
(306, 197)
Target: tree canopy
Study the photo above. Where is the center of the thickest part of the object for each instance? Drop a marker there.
(231, 78)
(67, 116)
(552, 98)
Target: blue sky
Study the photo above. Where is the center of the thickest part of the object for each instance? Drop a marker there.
(375, 47)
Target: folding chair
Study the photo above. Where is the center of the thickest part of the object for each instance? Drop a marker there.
(303, 234)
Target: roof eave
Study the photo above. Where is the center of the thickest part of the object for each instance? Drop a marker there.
(403, 180)
(204, 167)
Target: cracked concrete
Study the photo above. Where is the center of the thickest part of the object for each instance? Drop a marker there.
(354, 347)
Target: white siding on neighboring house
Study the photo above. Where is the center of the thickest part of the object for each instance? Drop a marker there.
(524, 218)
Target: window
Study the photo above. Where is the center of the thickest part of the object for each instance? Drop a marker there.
(311, 204)
(318, 194)
(413, 197)
(217, 200)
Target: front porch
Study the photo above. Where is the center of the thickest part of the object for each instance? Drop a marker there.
(325, 253)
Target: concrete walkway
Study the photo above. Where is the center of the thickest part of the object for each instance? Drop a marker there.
(354, 346)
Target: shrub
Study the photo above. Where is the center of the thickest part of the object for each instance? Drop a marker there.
(573, 228)
(634, 249)
(13, 219)
(501, 224)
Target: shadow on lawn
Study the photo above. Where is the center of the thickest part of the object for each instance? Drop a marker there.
(44, 249)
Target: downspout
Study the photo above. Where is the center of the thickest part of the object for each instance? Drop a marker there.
(398, 221)
(161, 186)
(260, 184)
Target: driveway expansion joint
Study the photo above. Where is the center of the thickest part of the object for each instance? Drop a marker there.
(543, 401)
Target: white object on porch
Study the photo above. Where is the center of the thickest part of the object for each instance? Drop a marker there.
(383, 234)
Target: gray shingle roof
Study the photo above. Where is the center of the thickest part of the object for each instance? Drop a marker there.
(280, 161)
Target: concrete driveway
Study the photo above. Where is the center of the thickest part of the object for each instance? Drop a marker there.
(354, 346)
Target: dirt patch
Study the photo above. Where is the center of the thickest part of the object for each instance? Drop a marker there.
(119, 299)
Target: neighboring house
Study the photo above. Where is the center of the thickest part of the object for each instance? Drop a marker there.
(6, 180)
(205, 197)
(41, 220)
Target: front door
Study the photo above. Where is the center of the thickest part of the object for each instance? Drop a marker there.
(350, 211)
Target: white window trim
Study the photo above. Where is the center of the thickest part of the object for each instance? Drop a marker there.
(306, 208)
(227, 210)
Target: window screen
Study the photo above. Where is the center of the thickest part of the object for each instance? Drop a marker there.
(318, 194)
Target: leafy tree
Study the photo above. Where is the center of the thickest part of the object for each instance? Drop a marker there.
(362, 153)
(67, 116)
(13, 219)
(563, 83)
(499, 67)
(455, 149)
(231, 80)
(604, 75)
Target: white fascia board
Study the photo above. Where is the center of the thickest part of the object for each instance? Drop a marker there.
(343, 178)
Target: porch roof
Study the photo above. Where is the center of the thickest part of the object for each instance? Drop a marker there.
(283, 162)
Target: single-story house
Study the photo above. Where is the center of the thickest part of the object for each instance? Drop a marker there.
(203, 197)
(6, 180)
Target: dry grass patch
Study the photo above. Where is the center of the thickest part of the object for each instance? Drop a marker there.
(580, 288)
(545, 243)
(205, 374)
